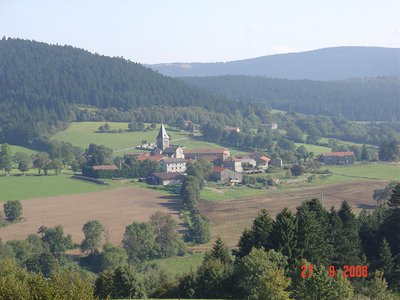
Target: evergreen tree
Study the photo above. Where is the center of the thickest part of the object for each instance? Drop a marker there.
(220, 251)
(365, 155)
(349, 250)
(261, 229)
(245, 243)
(385, 262)
(283, 235)
(394, 200)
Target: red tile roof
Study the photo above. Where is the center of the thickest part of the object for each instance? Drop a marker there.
(348, 153)
(156, 158)
(105, 167)
(205, 150)
(218, 169)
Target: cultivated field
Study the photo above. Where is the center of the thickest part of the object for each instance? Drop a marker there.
(229, 218)
(115, 209)
(25, 187)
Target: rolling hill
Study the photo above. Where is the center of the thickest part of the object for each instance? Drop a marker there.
(324, 64)
(39, 83)
(364, 99)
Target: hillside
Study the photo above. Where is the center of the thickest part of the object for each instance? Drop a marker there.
(39, 82)
(323, 64)
(353, 98)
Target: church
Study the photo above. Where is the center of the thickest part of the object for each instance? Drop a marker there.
(164, 148)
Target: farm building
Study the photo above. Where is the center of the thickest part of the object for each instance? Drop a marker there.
(224, 174)
(338, 158)
(233, 164)
(169, 164)
(165, 178)
(214, 153)
(261, 160)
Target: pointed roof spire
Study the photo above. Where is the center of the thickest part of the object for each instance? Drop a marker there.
(162, 134)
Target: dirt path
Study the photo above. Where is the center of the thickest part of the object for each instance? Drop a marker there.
(229, 218)
(115, 209)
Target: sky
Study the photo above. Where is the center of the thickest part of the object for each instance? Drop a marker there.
(166, 31)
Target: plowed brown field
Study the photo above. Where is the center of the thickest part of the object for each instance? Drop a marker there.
(229, 218)
(115, 209)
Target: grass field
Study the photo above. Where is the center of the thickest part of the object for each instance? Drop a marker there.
(24, 187)
(15, 149)
(314, 148)
(179, 265)
(369, 171)
(83, 133)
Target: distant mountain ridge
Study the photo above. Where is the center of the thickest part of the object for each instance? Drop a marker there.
(335, 63)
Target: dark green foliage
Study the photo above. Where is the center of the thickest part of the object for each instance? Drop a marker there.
(165, 232)
(348, 249)
(213, 279)
(283, 234)
(40, 82)
(394, 200)
(139, 242)
(381, 196)
(312, 236)
(261, 229)
(120, 283)
(258, 236)
(12, 210)
(99, 155)
(199, 229)
(93, 231)
(389, 149)
(245, 243)
(55, 240)
(385, 258)
(297, 170)
(40, 160)
(190, 192)
(220, 251)
(44, 263)
(357, 96)
(200, 168)
(17, 283)
(112, 257)
(5, 158)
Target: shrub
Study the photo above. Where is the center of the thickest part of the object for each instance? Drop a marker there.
(12, 210)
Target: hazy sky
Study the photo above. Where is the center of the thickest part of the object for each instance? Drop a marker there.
(155, 31)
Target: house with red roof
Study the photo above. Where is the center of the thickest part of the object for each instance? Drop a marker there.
(338, 158)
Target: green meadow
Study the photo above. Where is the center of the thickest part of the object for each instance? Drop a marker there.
(179, 265)
(83, 133)
(24, 187)
(314, 148)
(15, 149)
(368, 171)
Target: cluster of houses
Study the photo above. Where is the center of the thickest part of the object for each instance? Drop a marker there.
(172, 160)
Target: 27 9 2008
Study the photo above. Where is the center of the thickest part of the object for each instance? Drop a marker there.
(347, 271)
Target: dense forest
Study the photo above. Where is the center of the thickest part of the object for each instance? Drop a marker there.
(39, 82)
(367, 99)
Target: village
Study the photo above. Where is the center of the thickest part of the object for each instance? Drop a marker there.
(226, 168)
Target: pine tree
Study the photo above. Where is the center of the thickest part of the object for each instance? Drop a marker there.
(283, 235)
(335, 232)
(385, 261)
(220, 251)
(261, 229)
(312, 238)
(349, 251)
(245, 244)
(365, 155)
(394, 200)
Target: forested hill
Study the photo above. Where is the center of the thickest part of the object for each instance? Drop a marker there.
(38, 82)
(323, 64)
(373, 99)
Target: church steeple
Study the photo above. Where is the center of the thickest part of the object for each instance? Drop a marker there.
(162, 138)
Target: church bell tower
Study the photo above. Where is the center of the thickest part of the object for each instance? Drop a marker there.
(162, 138)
